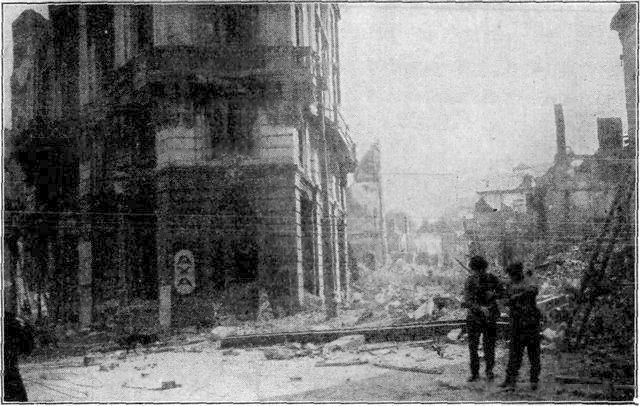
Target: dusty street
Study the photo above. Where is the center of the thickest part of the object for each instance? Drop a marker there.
(203, 373)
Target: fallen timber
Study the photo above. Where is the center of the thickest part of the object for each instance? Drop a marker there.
(399, 333)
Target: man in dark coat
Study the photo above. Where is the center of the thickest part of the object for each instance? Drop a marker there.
(18, 338)
(524, 329)
(480, 294)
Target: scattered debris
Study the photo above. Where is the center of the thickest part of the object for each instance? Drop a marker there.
(381, 364)
(425, 310)
(341, 363)
(454, 335)
(231, 352)
(164, 385)
(107, 368)
(311, 347)
(279, 353)
(221, 332)
(447, 385)
(346, 343)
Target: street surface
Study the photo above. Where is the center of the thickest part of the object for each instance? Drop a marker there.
(201, 372)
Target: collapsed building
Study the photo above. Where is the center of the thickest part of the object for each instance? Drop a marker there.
(190, 148)
(366, 215)
(562, 207)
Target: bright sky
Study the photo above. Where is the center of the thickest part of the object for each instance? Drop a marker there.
(454, 91)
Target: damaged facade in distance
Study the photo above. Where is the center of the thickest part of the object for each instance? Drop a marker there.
(564, 206)
(366, 215)
(211, 130)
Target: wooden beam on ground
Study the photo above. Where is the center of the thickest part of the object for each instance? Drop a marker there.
(572, 380)
(406, 332)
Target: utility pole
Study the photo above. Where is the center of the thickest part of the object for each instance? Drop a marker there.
(382, 226)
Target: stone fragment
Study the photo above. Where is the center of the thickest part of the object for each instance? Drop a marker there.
(346, 343)
(279, 353)
(454, 335)
(221, 332)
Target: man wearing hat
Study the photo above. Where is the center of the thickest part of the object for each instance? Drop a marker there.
(482, 289)
(524, 329)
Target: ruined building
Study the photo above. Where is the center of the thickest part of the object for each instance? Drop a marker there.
(563, 207)
(626, 24)
(367, 228)
(204, 147)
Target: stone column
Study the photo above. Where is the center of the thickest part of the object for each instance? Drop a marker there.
(164, 277)
(85, 277)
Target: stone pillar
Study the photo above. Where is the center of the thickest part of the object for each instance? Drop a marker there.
(85, 277)
(319, 246)
(299, 286)
(344, 257)
(165, 280)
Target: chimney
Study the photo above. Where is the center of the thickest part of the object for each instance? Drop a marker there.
(609, 134)
(561, 154)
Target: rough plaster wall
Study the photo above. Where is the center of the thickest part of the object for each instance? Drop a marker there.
(274, 25)
(173, 24)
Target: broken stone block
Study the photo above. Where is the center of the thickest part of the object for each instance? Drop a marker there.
(549, 334)
(221, 332)
(425, 310)
(310, 347)
(279, 353)
(164, 385)
(454, 335)
(346, 343)
(294, 346)
(231, 352)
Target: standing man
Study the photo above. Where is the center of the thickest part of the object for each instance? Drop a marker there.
(480, 294)
(524, 327)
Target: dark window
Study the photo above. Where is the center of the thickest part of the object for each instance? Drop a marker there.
(216, 116)
(239, 23)
(143, 20)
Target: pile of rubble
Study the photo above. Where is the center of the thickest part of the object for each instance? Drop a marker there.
(405, 293)
(419, 356)
(561, 271)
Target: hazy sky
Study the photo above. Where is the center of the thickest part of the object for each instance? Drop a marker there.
(454, 91)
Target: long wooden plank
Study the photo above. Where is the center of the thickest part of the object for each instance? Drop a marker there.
(406, 332)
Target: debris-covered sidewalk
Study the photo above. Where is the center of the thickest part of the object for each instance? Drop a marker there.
(199, 370)
(347, 369)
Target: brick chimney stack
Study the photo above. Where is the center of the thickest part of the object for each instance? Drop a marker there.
(561, 154)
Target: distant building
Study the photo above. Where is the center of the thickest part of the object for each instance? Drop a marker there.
(401, 233)
(365, 209)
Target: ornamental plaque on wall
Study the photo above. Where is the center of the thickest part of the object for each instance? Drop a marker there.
(185, 272)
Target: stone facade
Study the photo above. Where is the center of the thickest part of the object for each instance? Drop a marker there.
(209, 128)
